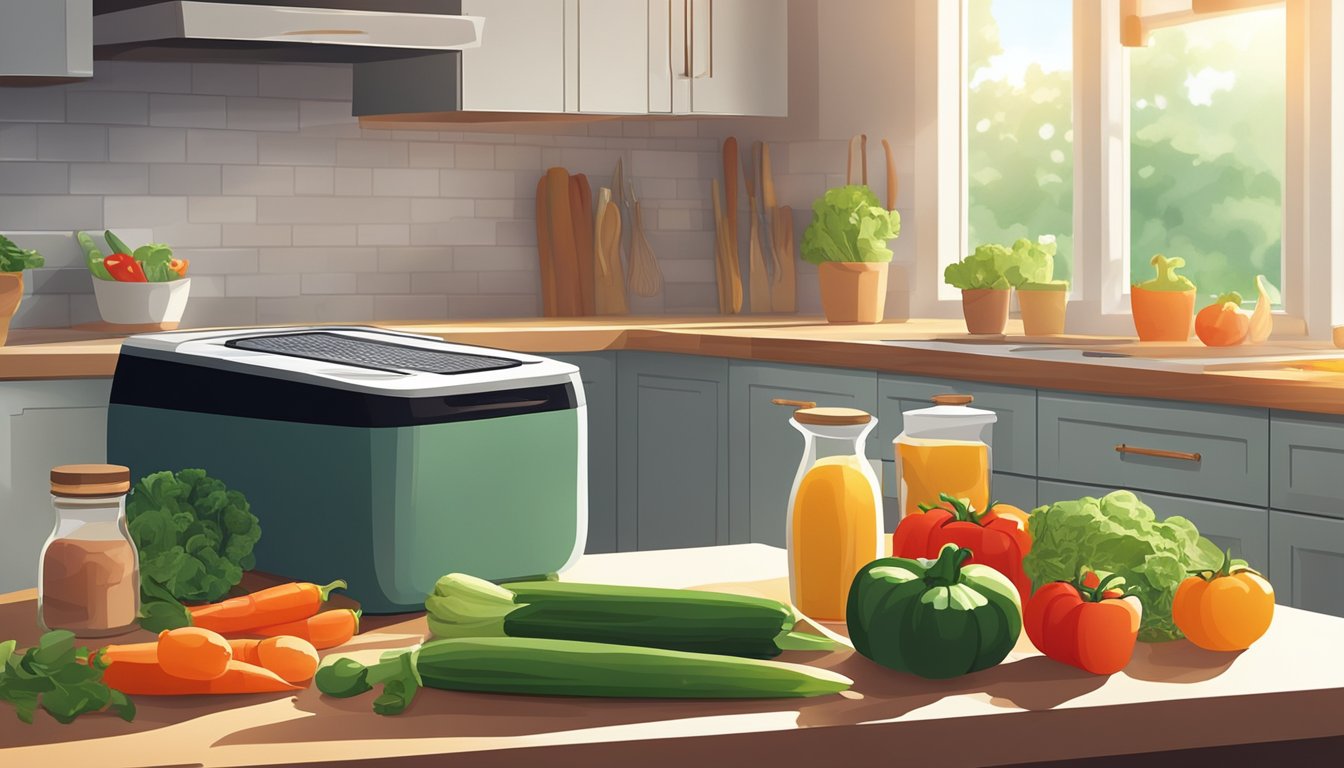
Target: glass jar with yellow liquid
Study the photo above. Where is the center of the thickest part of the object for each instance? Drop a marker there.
(944, 449)
(835, 510)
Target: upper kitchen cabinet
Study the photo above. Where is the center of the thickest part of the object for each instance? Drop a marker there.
(45, 42)
(612, 45)
(733, 57)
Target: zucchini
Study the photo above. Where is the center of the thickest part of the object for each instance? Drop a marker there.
(674, 619)
(568, 668)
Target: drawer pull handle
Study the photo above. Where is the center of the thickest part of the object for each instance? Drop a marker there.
(793, 403)
(1181, 455)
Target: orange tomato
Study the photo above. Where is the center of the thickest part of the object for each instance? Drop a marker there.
(1009, 512)
(1224, 610)
(1222, 323)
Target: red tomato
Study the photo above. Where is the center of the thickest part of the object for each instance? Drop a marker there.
(1083, 626)
(998, 542)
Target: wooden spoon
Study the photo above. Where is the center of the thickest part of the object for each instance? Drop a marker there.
(892, 182)
(544, 251)
(758, 277)
(581, 211)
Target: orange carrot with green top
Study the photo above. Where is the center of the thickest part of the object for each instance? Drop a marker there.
(275, 605)
(292, 658)
(325, 630)
(153, 680)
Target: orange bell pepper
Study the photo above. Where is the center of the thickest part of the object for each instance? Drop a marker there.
(1222, 323)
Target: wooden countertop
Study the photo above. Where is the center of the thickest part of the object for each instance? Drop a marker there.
(799, 340)
(1288, 686)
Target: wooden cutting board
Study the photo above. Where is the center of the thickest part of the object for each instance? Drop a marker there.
(544, 251)
(563, 247)
(581, 210)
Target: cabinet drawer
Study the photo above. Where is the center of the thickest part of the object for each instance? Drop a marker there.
(1014, 432)
(1010, 489)
(1307, 559)
(1244, 529)
(1306, 456)
(1079, 436)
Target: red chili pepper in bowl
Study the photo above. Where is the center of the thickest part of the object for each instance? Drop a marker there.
(124, 268)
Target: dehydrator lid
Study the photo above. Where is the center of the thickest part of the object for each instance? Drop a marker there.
(354, 358)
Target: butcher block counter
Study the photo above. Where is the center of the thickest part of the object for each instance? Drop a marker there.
(885, 347)
(1287, 688)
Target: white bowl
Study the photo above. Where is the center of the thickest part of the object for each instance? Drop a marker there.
(141, 303)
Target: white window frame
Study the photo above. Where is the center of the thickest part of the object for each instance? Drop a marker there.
(1313, 199)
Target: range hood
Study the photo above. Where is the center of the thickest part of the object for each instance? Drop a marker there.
(283, 30)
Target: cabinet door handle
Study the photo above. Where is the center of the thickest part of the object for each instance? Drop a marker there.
(793, 403)
(1179, 455)
(687, 21)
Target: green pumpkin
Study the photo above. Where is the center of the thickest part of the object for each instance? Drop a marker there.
(933, 618)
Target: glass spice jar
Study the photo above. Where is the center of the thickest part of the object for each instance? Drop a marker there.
(89, 569)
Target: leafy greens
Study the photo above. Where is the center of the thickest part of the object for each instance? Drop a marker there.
(1120, 534)
(194, 535)
(1025, 264)
(16, 259)
(55, 676)
(849, 224)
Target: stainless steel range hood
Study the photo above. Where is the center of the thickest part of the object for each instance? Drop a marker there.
(295, 30)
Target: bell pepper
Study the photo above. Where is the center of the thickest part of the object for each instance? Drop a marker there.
(1222, 323)
(1083, 624)
(999, 542)
(933, 618)
(124, 268)
(1224, 610)
(179, 266)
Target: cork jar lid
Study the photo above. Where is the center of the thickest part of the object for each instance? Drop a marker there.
(90, 480)
(953, 399)
(832, 417)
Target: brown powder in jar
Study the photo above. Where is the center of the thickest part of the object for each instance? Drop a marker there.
(89, 586)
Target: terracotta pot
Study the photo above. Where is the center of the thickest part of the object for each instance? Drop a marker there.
(985, 309)
(11, 293)
(1043, 312)
(1162, 315)
(852, 291)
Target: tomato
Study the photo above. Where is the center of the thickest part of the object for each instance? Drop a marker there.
(1224, 610)
(994, 540)
(1222, 323)
(1007, 511)
(1083, 624)
(124, 268)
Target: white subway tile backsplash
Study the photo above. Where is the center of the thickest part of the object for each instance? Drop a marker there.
(410, 307)
(384, 234)
(384, 282)
(219, 261)
(354, 182)
(432, 155)
(328, 118)
(481, 184)
(147, 145)
(405, 182)
(189, 235)
(33, 105)
(415, 260)
(333, 210)
(182, 179)
(18, 141)
(214, 146)
(297, 81)
(107, 108)
(518, 157)
(208, 286)
(209, 312)
(256, 234)
(295, 261)
(220, 210)
(522, 232)
(374, 154)
(314, 181)
(508, 282)
(262, 285)
(495, 306)
(440, 209)
(39, 311)
(282, 149)
(476, 156)
(505, 259)
(137, 76)
(185, 111)
(35, 178)
(225, 79)
(59, 141)
(109, 179)
(496, 209)
(252, 114)
(143, 211)
(54, 212)
(446, 283)
(257, 180)
(328, 283)
(325, 234)
(457, 232)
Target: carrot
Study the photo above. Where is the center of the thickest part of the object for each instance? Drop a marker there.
(292, 658)
(275, 605)
(325, 630)
(187, 652)
(153, 680)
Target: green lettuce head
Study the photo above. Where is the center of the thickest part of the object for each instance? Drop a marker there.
(849, 224)
(986, 268)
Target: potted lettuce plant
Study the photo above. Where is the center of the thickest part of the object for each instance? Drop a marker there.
(1042, 299)
(847, 240)
(13, 260)
(985, 288)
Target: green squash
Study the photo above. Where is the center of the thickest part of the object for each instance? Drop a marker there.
(933, 618)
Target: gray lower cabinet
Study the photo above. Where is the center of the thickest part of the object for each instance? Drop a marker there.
(43, 424)
(1307, 561)
(672, 446)
(598, 372)
(1245, 529)
(764, 450)
(1014, 432)
(1306, 463)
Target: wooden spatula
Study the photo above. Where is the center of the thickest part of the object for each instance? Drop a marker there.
(892, 182)
(732, 264)
(565, 250)
(783, 283)
(758, 279)
(611, 285)
(544, 252)
(581, 210)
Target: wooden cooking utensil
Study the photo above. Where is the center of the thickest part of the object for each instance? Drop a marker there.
(732, 266)
(610, 273)
(722, 249)
(618, 197)
(544, 252)
(849, 161)
(646, 279)
(863, 155)
(564, 249)
(783, 282)
(892, 181)
(758, 279)
(581, 210)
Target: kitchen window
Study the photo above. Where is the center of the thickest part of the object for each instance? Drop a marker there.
(1212, 143)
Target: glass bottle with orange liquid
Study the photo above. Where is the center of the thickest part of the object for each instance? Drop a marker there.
(944, 449)
(835, 510)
